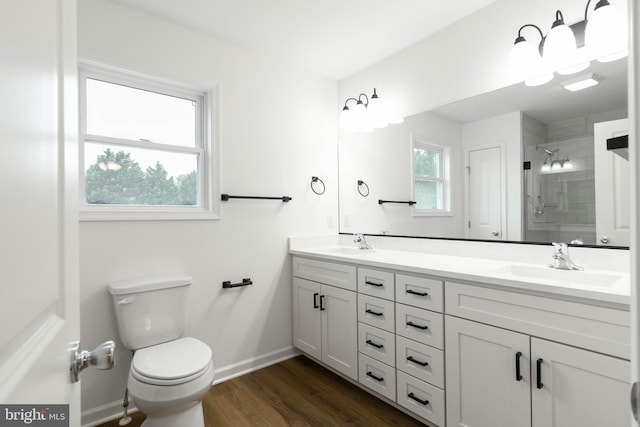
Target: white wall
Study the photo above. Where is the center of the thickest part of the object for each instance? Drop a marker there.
(383, 160)
(466, 59)
(278, 128)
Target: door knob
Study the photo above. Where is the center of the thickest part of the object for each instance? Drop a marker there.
(604, 240)
(102, 357)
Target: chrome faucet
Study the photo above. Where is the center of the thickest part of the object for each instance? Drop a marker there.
(361, 241)
(561, 258)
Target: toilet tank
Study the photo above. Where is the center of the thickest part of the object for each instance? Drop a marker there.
(150, 310)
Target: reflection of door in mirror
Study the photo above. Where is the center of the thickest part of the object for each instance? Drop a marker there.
(485, 194)
(612, 186)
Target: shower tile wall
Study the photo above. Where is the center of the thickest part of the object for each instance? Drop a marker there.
(560, 206)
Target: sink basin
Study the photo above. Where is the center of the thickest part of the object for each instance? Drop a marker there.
(346, 251)
(560, 277)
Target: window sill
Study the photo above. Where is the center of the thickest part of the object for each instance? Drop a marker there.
(88, 214)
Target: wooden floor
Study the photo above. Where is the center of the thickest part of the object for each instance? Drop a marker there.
(296, 392)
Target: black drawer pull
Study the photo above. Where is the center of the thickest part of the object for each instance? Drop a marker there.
(539, 384)
(518, 375)
(379, 379)
(368, 282)
(375, 313)
(322, 308)
(423, 402)
(420, 294)
(315, 300)
(374, 344)
(411, 359)
(417, 326)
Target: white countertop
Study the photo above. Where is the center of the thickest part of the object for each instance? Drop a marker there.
(599, 286)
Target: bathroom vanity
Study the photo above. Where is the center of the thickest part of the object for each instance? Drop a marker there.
(463, 341)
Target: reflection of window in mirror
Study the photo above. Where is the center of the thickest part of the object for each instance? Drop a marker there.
(430, 179)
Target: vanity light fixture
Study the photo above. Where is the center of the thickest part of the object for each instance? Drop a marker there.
(582, 82)
(366, 114)
(568, 49)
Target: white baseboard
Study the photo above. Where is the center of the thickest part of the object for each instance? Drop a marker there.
(113, 410)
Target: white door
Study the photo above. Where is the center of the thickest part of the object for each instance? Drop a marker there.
(485, 194)
(340, 330)
(306, 317)
(574, 387)
(39, 307)
(612, 186)
(485, 388)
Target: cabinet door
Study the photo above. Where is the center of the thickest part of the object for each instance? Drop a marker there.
(340, 330)
(482, 387)
(306, 317)
(578, 387)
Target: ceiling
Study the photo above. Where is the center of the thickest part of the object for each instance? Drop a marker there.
(551, 102)
(332, 38)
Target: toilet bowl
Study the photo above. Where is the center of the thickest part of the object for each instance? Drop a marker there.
(168, 381)
(169, 374)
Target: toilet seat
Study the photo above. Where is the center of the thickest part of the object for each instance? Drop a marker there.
(171, 363)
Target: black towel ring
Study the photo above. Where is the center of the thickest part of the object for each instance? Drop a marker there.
(360, 184)
(315, 179)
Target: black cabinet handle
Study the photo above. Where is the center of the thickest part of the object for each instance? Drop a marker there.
(423, 402)
(322, 308)
(539, 384)
(374, 283)
(374, 344)
(411, 359)
(371, 375)
(518, 376)
(420, 294)
(417, 326)
(315, 300)
(375, 313)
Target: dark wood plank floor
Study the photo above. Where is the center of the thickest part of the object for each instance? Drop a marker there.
(296, 392)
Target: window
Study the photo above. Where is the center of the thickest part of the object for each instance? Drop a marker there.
(430, 179)
(146, 152)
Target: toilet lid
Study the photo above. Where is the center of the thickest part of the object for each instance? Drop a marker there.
(172, 362)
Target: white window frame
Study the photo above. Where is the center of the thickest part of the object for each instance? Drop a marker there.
(445, 167)
(207, 135)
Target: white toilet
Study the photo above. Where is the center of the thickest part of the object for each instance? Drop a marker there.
(169, 374)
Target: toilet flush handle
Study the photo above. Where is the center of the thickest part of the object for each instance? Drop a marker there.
(127, 300)
(102, 357)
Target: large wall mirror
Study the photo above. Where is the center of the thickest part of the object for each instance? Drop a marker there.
(518, 164)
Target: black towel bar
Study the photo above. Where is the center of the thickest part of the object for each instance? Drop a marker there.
(409, 202)
(227, 284)
(226, 197)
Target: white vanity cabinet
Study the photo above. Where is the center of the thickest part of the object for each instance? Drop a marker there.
(376, 331)
(420, 346)
(324, 313)
(500, 377)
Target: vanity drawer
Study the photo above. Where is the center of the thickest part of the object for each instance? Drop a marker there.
(376, 312)
(376, 343)
(421, 361)
(420, 292)
(377, 283)
(340, 275)
(424, 326)
(602, 329)
(378, 376)
(421, 398)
